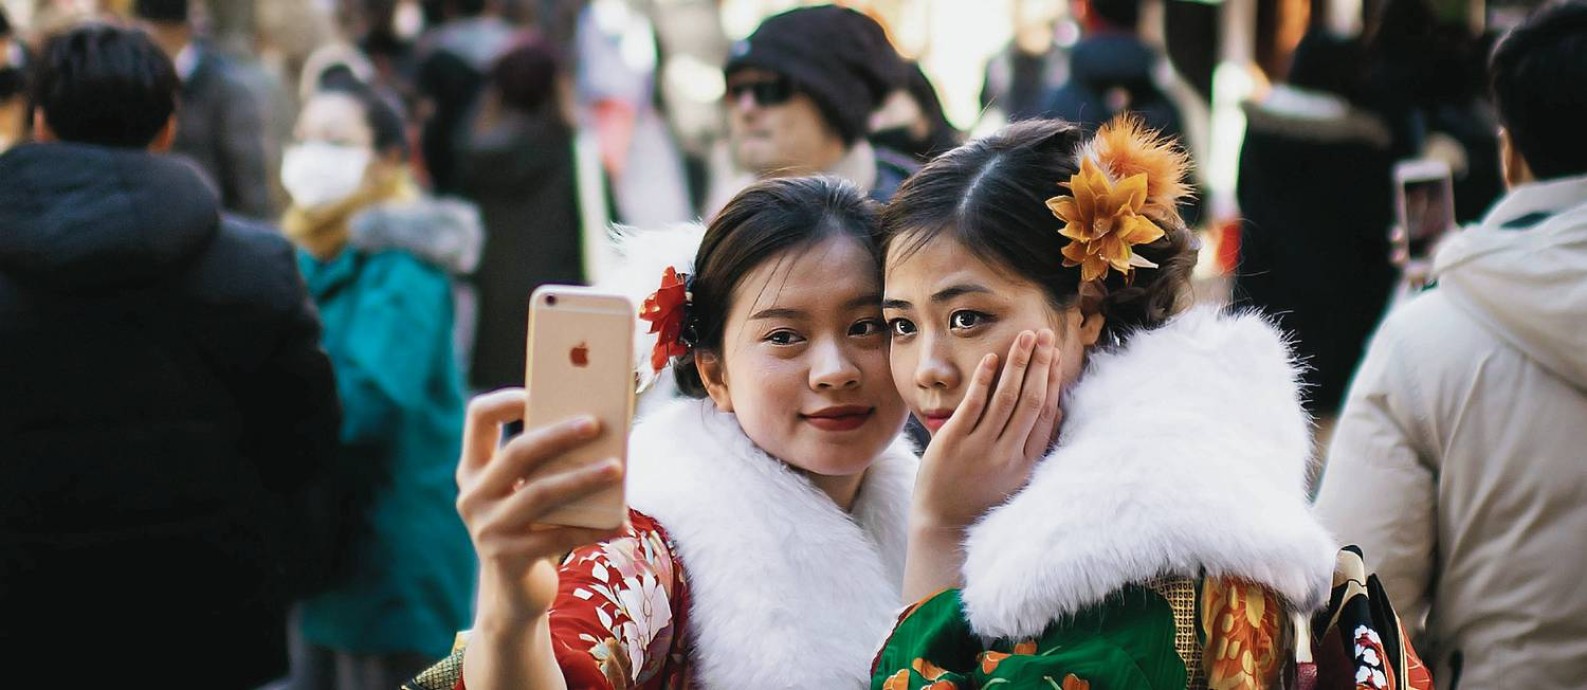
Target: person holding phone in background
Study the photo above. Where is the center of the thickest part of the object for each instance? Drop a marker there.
(1457, 463)
(765, 544)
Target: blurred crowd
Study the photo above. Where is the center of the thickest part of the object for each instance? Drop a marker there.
(420, 167)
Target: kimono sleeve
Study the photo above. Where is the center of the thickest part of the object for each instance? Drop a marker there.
(618, 616)
(619, 619)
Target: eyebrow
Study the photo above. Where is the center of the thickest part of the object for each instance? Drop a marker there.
(946, 294)
(786, 313)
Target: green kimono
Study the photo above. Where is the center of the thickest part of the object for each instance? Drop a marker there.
(1153, 636)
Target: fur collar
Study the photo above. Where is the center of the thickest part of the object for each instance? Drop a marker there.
(781, 578)
(1184, 452)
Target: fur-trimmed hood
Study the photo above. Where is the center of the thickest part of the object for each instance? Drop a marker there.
(447, 233)
(788, 591)
(1183, 452)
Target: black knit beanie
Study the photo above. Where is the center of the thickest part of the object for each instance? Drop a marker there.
(840, 57)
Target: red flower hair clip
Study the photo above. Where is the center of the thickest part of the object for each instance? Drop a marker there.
(667, 310)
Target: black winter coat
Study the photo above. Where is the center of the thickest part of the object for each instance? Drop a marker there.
(162, 393)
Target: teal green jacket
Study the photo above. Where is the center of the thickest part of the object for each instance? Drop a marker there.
(388, 316)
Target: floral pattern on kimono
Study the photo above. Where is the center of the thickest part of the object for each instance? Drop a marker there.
(1127, 642)
(620, 618)
(619, 621)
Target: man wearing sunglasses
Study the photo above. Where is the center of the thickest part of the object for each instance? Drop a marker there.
(800, 93)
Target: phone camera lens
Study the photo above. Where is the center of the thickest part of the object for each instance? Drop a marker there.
(551, 300)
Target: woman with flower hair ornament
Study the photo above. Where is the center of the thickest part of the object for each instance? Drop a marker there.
(1114, 495)
(765, 543)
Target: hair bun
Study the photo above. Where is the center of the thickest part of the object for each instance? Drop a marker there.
(1125, 147)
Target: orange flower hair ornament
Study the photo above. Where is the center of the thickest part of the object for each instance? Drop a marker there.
(1129, 185)
(667, 310)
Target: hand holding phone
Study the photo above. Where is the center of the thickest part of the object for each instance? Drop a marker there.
(506, 492)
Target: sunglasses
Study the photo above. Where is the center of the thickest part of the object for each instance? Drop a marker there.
(766, 92)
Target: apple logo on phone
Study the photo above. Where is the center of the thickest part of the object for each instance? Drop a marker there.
(580, 355)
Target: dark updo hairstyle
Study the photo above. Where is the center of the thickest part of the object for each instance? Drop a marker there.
(766, 222)
(386, 124)
(990, 196)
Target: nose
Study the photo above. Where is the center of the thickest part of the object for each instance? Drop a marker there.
(833, 368)
(935, 369)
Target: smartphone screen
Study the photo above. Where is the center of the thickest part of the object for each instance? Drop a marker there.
(580, 362)
(1425, 199)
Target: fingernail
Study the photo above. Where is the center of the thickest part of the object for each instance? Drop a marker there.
(1027, 339)
(1046, 338)
(585, 425)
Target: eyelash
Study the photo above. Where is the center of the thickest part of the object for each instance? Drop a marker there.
(785, 337)
(980, 319)
(904, 328)
(878, 325)
(777, 337)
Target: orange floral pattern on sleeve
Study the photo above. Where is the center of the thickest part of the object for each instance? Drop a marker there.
(1241, 622)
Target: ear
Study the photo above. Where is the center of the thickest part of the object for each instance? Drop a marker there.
(1087, 325)
(166, 138)
(714, 375)
(41, 128)
(1516, 171)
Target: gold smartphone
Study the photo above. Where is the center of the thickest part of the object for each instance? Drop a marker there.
(580, 362)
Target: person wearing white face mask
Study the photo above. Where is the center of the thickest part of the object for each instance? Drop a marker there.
(380, 262)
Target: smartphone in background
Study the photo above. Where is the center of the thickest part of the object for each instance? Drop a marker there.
(580, 362)
(1424, 202)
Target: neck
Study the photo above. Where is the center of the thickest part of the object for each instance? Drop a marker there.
(841, 489)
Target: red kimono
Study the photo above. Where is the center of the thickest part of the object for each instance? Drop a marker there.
(619, 621)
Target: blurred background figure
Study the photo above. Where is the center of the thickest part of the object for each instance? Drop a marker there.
(516, 163)
(1427, 76)
(615, 66)
(911, 121)
(14, 114)
(1316, 190)
(221, 122)
(167, 402)
(1112, 70)
(381, 261)
(454, 57)
(1023, 75)
(1457, 462)
(800, 94)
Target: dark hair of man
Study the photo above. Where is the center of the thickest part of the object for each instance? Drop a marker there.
(162, 11)
(1539, 81)
(768, 221)
(470, 8)
(1121, 14)
(525, 76)
(105, 85)
(990, 196)
(384, 119)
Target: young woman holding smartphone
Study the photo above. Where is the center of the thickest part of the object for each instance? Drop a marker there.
(765, 545)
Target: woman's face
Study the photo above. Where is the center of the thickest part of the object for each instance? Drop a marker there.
(803, 363)
(336, 119)
(334, 157)
(946, 309)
